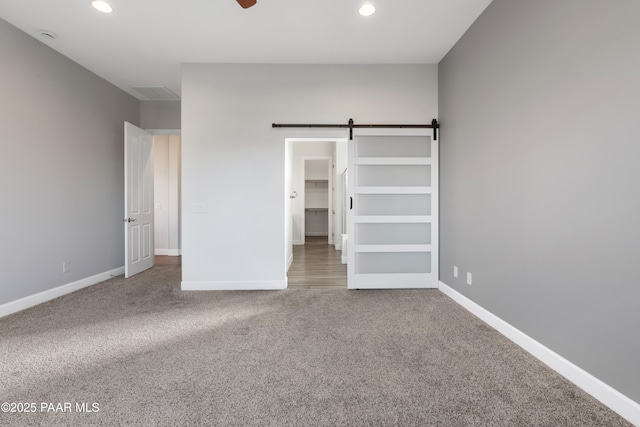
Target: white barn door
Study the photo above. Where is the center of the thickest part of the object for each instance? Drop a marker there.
(138, 200)
(393, 212)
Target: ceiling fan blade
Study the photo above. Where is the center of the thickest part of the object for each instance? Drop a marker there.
(246, 3)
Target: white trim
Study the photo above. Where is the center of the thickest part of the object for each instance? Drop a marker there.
(48, 295)
(289, 262)
(338, 246)
(168, 252)
(343, 259)
(298, 242)
(435, 209)
(257, 285)
(609, 396)
(316, 233)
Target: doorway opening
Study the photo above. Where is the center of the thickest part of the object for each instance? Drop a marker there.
(167, 176)
(152, 197)
(317, 214)
(314, 221)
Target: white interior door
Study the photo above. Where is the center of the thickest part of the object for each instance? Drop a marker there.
(393, 212)
(138, 200)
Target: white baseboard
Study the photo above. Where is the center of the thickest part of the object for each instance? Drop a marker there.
(298, 242)
(168, 252)
(39, 298)
(316, 233)
(606, 394)
(258, 285)
(344, 260)
(338, 247)
(289, 262)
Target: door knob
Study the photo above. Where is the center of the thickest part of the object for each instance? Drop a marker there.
(129, 220)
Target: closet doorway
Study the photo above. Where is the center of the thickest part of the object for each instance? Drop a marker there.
(317, 199)
(314, 221)
(314, 168)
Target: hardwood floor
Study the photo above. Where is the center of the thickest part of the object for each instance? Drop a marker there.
(168, 260)
(316, 265)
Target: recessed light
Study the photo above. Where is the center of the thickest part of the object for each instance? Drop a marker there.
(367, 9)
(102, 6)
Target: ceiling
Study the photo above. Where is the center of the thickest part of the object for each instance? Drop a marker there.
(143, 42)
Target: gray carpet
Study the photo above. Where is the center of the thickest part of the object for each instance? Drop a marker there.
(149, 354)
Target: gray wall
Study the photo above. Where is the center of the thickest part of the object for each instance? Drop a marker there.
(160, 114)
(61, 168)
(540, 111)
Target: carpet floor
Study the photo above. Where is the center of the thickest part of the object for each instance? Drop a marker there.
(142, 352)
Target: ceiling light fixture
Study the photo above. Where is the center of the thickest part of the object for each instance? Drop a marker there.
(102, 6)
(367, 9)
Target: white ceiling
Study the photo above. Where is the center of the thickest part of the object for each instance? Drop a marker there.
(143, 42)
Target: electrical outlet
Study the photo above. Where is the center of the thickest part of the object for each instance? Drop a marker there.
(66, 266)
(455, 271)
(469, 279)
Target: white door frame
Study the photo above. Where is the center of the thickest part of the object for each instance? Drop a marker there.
(172, 132)
(324, 136)
(303, 195)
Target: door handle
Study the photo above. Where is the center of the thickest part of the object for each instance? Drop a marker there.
(350, 203)
(129, 220)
